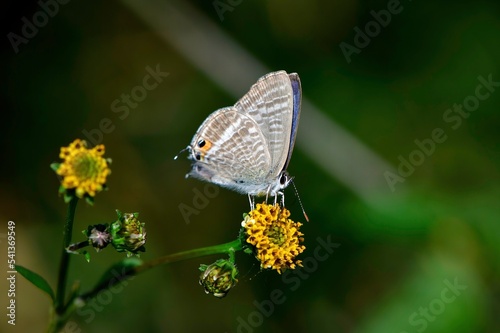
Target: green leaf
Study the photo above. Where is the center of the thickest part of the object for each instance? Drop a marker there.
(67, 197)
(55, 166)
(62, 189)
(36, 279)
(89, 199)
(248, 250)
(87, 255)
(120, 269)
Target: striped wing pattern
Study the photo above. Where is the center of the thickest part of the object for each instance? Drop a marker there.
(245, 147)
(270, 103)
(238, 157)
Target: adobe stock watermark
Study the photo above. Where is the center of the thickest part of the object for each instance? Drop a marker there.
(121, 106)
(30, 28)
(222, 6)
(372, 29)
(292, 279)
(200, 201)
(97, 304)
(453, 117)
(420, 319)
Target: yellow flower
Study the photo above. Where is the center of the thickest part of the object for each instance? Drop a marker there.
(275, 237)
(83, 170)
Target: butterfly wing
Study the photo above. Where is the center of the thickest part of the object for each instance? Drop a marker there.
(230, 150)
(274, 104)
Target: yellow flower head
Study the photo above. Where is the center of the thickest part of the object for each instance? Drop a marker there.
(275, 237)
(83, 170)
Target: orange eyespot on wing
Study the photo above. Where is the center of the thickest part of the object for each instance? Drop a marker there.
(204, 145)
(201, 148)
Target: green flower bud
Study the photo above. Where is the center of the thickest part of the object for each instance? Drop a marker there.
(219, 277)
(128, 234)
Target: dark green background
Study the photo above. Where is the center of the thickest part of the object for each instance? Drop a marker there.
(391, 261)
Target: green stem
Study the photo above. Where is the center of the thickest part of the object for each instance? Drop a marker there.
(228, 248)
(65, 257)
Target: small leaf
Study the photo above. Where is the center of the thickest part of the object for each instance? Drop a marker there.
(67, 197)
(55, 166)
(89, 199)
(119, 270)
(36, 279)
(62, 189)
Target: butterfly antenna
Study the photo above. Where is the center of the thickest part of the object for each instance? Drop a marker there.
(245, 277)
(256, 273)
(176, 156)
(300, 201)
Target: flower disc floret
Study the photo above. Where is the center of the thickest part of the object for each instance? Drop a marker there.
(83, 170)
(276, 239)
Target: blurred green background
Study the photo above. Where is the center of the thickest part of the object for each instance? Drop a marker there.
(399, 251)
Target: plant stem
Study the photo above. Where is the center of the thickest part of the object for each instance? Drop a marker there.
(204, 251)
(77, 246)
(65, 257)
(228, 248)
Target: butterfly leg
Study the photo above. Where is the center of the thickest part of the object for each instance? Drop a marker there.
(252, 202)
(282, 194)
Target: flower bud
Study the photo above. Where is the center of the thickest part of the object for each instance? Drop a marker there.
(128, 234)
(219, 277)
(98, 236)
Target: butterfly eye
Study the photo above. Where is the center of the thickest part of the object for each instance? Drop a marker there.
(283, 179)
(201, 143)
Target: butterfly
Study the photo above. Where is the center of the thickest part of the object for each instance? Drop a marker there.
(247, 147)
